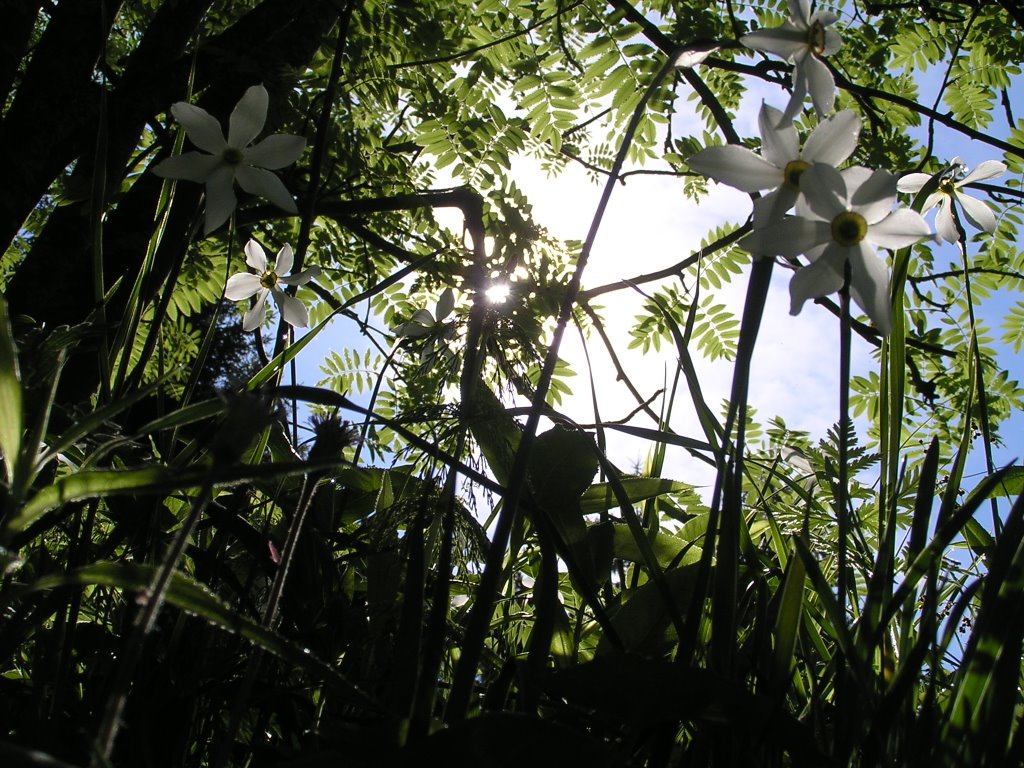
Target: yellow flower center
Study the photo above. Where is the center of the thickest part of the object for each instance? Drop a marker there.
(233, 156)
(816, 38)
(947, 186)
(269, 279)
(849, 228)
(792, 171)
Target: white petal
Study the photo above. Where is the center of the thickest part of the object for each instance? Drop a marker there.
(869, 287)
(201, 127)
(780, 142)
(770, 208)
(856, 176)
(819, 279)
(190, 166)
(815, 253)
(824, 191)
(935, 198)
(821, 84)
(874, 197)
(263, 183)
(790, 237)
(254, 317)
(977, 212)
(241, 286)
(276, 151)
(691, 58)
(986, 170)
(292, 310)
(248, 117)
(899, 229)
(736, 166)
(834, 140)
(301, 278)
(220, 197)
(945, 227)
(796, 99)
(418, 325)
(800, 12)
(285, 259)
(786, 41)
(832, 40)
(913, 182)
(255, 256)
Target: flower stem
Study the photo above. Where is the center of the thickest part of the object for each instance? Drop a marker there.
(844, 430)
(842, 516)
(979, 373)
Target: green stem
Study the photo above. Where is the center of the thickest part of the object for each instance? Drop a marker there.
(979, 373)
(844, 427)
(841, 494)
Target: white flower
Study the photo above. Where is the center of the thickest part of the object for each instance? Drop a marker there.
(841, 217)
(948, 192)
(245, 284)
(781, 162)
(801, 40)
(437, 334)
(233, 158)
(423, 322)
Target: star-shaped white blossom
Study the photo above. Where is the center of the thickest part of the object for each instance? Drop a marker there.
(840, 219)
(267, 281)
(437, 333)
(233, 158)
(802, 40)
(948, 192)
(423, 321)
(781, 162)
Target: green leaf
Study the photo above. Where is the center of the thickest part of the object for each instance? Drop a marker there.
(493, 428)
(986, 699)
(642, 620)
(669, 549)
(787, 623)
(1011, 482)
(10, 395)
(110, 482)
(562, 465)
(599, 496)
